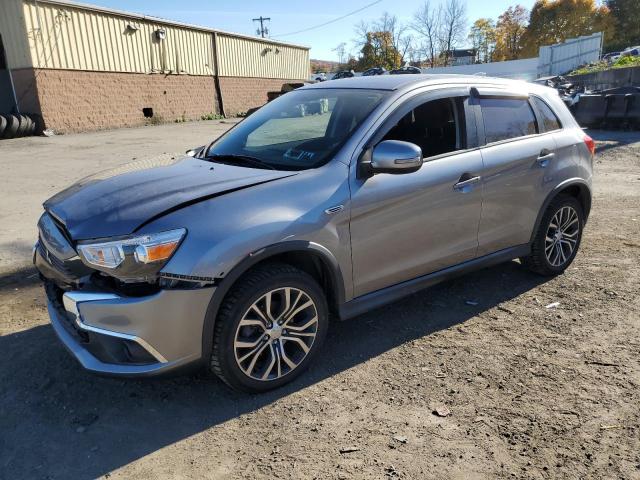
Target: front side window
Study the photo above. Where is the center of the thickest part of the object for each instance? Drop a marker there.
(302, 129)
(435, 126)
(549, 119)
(506, 118)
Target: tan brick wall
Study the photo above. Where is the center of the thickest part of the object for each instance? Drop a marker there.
(75, 101)
(241, 93)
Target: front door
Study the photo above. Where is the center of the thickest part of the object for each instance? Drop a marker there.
(405, 226)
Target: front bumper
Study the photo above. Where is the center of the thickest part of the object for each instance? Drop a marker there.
(130, 336)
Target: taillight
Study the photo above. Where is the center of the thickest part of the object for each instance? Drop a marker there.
(591, 145)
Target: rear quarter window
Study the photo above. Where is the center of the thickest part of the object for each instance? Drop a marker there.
(549, 119)
(506, 118)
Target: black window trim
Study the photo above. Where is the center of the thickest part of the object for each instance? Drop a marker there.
(540, 117)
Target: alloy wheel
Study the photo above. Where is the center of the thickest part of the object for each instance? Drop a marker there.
(562, 236)
(276, 334)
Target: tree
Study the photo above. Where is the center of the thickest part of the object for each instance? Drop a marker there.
(483, 39)
(400, 41)
(554, 21)
(378, 51)
(384, 43)
(625, 15)
(427, 22)
(510, 29)
(454, 26)
(441, 29)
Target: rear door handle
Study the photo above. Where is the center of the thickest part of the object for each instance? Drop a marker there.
(544, 157)
(465, 183)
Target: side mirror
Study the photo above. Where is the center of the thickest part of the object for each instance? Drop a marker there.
(194, 151)
(395, 156)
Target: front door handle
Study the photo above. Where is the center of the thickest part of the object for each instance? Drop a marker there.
(544, 157)
(466, 182)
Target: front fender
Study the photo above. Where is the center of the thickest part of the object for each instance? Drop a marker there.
(225, 284)
(223, 231)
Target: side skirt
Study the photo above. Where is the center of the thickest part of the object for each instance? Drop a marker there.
(369, 301)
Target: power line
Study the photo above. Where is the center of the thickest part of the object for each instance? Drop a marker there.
(262, 31)
(330, 21)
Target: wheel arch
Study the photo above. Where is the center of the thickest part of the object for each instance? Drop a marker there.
(310, 257)
(575, 187)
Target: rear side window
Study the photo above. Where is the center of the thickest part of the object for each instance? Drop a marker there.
(506, 118)
(549, 119)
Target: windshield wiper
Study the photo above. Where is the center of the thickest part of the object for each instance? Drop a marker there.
(241, 158)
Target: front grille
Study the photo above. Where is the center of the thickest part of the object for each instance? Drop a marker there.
(54, 261)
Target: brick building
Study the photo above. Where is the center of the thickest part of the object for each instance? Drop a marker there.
(85, 68)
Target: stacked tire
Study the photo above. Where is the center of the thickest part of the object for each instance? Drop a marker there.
(19, 125)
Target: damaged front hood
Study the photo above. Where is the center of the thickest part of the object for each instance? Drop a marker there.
(117, 202)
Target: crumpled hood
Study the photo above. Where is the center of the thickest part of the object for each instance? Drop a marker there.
(117, 202)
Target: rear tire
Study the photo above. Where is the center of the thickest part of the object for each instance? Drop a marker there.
(558, 237)
(269, 328)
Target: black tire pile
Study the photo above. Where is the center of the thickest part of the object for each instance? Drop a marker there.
(19, 125)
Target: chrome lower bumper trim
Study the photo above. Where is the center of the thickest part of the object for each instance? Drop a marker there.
(71, 300)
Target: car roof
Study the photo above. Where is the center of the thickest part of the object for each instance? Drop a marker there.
(397, 82)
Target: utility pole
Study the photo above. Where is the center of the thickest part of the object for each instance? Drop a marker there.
(262, 31)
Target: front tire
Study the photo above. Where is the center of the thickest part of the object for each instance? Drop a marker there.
(558, 237)
(269, 329)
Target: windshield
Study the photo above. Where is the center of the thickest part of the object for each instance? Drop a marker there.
(302, 129)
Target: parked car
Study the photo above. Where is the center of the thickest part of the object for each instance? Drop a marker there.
(631, 51)
(236, 256)
(374, 71)
(405, 70)
(319, 76)
(343, 74)
(611, 56)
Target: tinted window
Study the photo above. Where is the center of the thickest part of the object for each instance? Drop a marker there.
(436, 127)
(506, 118)
(299, 130)
(549, 119)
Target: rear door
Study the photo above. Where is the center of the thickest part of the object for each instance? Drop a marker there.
(515, 156)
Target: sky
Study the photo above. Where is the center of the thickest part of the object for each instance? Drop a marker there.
(289, 16)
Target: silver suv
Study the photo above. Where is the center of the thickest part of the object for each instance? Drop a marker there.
(332, 200)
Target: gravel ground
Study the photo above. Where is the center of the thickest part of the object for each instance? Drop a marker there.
(474, 378)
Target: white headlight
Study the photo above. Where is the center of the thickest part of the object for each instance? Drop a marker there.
(108, 255)
(143, 249)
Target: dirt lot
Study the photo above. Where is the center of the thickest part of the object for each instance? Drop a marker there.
(533, 392)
